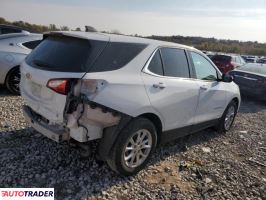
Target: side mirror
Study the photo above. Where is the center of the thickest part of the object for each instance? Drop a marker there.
(227, 78)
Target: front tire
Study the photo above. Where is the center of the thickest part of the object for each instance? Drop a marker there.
(227, 120)
(12, 80)
(133, 147)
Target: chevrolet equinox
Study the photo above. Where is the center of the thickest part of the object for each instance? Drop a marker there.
(127, 93)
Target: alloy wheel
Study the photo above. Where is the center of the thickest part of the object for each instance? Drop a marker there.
(229, 118)
(137, 148)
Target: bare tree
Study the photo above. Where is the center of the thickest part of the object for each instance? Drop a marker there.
(90, 29)
(115, 31)
(52, 27)
(64, 28)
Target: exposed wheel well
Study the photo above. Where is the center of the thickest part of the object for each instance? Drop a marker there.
(236, 100)
(156, 121)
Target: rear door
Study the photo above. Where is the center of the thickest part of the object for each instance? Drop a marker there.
(56, 57)
(245, 80)
(212, 93)
(171, 91)
(222, 62)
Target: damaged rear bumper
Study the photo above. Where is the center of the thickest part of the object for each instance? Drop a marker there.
(36, 122)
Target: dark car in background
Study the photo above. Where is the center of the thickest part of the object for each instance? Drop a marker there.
(262, 60)
(7, 29)
(251, 79)
(226, 62)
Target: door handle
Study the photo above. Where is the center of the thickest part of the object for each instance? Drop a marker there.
(203, 87)
(159, 85)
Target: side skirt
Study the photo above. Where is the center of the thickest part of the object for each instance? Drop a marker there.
(171, 135)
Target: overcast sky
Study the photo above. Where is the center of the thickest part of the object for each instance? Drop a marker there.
(224, 19)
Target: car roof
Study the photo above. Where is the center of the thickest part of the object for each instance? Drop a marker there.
(223, 54)
(23, 34)
(117, 38)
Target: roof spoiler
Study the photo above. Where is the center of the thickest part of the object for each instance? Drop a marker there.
(65, 34)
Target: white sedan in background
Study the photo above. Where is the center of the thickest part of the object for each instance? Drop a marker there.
(14, 47)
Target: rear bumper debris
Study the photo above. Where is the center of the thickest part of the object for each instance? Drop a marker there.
(35, 121)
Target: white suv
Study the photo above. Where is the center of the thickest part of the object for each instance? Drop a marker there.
(128, 93)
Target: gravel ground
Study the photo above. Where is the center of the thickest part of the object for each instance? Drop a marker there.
(206, 165)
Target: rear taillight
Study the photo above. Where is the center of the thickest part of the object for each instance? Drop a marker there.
(60, 86)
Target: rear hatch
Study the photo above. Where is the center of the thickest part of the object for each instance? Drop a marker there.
(60, 56)
(222, 62)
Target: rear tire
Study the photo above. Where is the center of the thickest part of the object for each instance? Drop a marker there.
(133, 147)
(227, 120)
(12, 80)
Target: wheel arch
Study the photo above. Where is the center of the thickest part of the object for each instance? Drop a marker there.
(237, 101)
(155, 119)
(10, 71)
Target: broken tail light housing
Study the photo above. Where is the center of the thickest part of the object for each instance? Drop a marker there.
(60, 86)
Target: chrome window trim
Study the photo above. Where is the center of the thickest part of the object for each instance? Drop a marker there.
(147, 71)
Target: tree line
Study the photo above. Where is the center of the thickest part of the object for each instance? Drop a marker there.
(36, 28)
(207, 44)
(216, 45)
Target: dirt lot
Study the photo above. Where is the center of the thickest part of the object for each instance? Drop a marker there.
(206, 165)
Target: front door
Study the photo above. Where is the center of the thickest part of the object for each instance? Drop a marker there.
(212, 95)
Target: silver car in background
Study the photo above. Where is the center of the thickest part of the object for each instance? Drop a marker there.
(14, 47)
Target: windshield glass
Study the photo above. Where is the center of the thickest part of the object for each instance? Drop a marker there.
(253, 68)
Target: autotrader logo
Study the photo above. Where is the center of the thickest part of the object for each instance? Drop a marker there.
(27, 193)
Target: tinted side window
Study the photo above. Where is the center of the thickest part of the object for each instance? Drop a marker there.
(32, 44)
(175, 62)
(203, 68)
(155, 65)
(116, 55)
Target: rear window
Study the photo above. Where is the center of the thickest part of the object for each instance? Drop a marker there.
(222, 58)
(32, 44)
(116, 55)
(69, 54)
(175, 62)
(65, 54)
(258, 69)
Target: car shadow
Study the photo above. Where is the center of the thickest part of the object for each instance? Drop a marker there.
(29, 159)
(32, 160)
(4, 92)
(252, 105)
